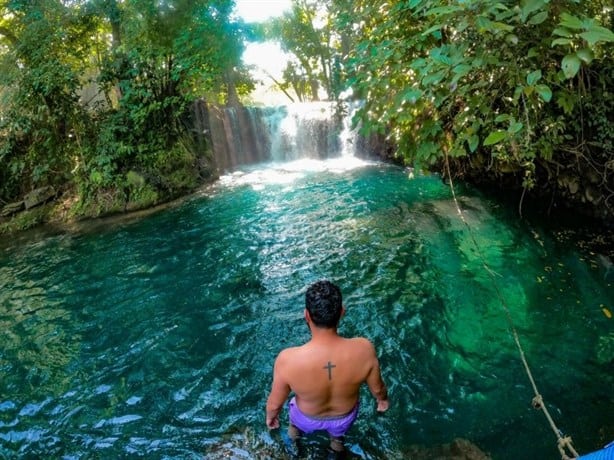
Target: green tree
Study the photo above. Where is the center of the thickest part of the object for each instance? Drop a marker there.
(41, 60)
(307, 33)
(503, 85)
(95, 92)
(169, 53)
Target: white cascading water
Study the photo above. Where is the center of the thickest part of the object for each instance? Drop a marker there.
(300, 138)
(304, 130)
(314, 131)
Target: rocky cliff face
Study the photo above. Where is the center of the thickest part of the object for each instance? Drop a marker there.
(569, 186)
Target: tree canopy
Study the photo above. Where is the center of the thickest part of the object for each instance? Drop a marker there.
(93, 93)
(463, 76)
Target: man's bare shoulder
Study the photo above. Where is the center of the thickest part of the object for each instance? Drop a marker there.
(363, 344)
(287, 354)
(361, 341)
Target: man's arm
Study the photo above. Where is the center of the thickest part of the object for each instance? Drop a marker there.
(280, 390)
(376, 383)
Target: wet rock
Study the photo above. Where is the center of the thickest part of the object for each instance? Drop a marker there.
(459, 449)
(254, 446)
(12, 208)
(38, 196)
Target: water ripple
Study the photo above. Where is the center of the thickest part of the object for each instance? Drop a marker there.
(157, 337)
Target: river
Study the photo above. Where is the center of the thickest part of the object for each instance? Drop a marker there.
(155, 337)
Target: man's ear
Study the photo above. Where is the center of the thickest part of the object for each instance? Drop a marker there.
(307, 316)
(342, 312)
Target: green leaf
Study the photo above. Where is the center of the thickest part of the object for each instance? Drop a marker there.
(570, 65)
(483, 23)
(544, 91)
(495, 137)
(538, 18)
(529, 6)
(500, 6)
(426, 150)
(534, 77)
(462, 69)
(442, 10)
(572, 22)
(562, 32)
(439, 57)
(566, 101)
(502, 117)
(433, 78)
(412, 95)
(473, 141)
(502, 26)
(457, 151)
(561, 41)
(515, 127)
(598, 34)
(586, 55)
(432, 29)
(418, 63)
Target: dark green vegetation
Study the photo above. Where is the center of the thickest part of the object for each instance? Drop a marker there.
(95, 93)
(95, 96)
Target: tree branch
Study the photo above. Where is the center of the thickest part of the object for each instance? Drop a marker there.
(279, 85)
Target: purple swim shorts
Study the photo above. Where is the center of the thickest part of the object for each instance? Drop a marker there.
(336, 426)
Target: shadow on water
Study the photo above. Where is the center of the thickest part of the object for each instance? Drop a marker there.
(156, 337)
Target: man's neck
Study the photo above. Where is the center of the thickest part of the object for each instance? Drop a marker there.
(319, 334)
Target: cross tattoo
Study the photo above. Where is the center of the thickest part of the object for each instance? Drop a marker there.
(329, 366)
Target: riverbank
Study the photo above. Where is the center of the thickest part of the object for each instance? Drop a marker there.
(66, 210)
(61, 216)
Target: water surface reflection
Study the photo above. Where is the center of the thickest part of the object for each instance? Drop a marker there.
(156, 337)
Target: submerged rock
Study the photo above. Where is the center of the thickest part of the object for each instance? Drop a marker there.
(459, 449)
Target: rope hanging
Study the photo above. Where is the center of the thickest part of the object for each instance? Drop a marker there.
(563, 442)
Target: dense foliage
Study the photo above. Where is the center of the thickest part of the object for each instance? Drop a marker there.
(307, 33)
(520, 90)
(93, 94)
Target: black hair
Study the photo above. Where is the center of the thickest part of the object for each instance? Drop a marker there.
(323, 302)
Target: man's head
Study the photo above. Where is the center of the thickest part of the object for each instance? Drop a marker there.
(323, 302)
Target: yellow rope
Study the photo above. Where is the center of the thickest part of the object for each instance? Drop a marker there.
(563, 442)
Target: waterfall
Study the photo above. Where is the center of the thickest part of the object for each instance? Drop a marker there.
(247, 135)
(306, 130)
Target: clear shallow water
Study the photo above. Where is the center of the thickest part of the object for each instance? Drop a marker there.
(156, 337)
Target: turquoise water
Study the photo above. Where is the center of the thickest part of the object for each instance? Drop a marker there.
(155, 338)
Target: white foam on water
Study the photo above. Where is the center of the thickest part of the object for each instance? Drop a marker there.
(280, 173)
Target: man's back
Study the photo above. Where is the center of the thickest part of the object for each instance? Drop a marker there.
(326, 374)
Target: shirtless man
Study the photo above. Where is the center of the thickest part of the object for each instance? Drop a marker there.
(325, 374)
